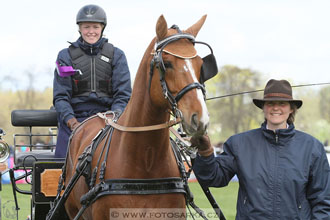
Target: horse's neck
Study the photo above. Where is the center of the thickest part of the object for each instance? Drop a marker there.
(148, 153)
(145, 152)
(140, 111)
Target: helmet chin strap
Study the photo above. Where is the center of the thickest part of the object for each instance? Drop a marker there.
(104, 25)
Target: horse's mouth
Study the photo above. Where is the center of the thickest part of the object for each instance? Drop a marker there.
(195, 130)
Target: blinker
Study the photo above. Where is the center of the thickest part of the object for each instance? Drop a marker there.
(209, 68)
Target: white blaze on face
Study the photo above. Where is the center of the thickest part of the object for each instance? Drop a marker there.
(205, 116)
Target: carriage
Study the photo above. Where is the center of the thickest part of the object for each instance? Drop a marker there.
(127, 160)
(40, 168)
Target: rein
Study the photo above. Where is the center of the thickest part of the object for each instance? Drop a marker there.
(110, 121)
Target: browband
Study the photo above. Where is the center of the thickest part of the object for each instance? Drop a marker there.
(172, 38)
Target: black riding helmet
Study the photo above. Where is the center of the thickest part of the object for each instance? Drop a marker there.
(92, 13)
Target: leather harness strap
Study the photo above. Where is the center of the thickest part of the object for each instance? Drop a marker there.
(178, 136)
(109, 121)
(134, 187)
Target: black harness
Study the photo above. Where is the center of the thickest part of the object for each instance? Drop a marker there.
(135, 186)
(116, 186)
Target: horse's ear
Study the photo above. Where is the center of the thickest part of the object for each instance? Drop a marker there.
(194, 29)
(161, 28)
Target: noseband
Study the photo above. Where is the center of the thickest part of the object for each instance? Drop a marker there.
(159, 63)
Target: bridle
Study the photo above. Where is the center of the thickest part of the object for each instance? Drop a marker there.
(159, 63)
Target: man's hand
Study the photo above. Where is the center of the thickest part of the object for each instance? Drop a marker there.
(203, 144)
(73, 123)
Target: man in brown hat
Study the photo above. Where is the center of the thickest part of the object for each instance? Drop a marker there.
(283, 173)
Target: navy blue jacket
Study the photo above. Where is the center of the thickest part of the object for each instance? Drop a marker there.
(69, 107)
(282, 175)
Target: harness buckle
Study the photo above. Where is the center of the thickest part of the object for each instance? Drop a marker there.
(165, 93)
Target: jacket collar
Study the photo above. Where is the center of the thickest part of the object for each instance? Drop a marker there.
(280, 136)
(90, 49)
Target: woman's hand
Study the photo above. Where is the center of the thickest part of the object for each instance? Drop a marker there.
(203, 144)
(73, 123)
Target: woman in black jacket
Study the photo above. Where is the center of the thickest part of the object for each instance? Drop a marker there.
(91, 76)
(283, 173)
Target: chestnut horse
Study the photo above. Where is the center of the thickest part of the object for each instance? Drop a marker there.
(167, 83)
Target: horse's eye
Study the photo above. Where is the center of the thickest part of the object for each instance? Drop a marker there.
(168, 65)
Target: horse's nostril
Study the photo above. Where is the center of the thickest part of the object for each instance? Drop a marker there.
(196, 126)
(194, 121)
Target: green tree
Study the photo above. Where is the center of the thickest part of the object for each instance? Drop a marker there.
(325, 103)
(233, 114)
(311, 117)
(29, 98)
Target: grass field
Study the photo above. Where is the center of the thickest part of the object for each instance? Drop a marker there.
(226, 198)
(8, 204)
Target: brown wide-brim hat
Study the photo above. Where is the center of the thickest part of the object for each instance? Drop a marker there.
(277, 90)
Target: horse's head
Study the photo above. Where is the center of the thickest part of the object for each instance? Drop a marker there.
(178, 75)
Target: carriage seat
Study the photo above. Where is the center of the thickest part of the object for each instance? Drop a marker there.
(29, 118)
(34, 118)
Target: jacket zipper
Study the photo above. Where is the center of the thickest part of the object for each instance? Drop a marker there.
(275, 182)
(93, 78)
(299, 208)
(276, 138)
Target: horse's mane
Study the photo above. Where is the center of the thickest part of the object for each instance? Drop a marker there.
(140, 97)
(140, 75)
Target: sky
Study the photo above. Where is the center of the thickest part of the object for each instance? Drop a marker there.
(281, 39)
